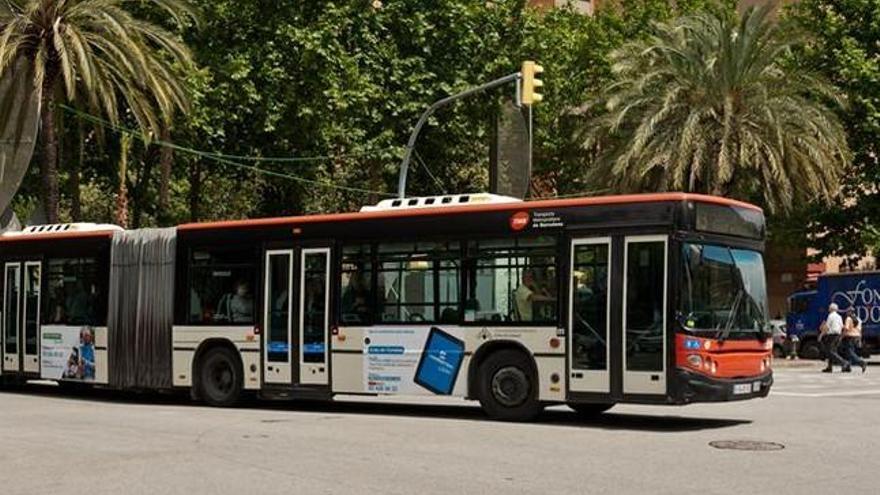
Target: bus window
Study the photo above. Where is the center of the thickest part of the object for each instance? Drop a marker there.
(221, 287)
(512, 281)
(419, 282)
(356, 282)
(74, 296)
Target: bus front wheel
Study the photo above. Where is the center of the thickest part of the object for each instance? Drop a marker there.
(220, 377)
(508, 390)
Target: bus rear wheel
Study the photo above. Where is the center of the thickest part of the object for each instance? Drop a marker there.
(220, 377)
(507, 387)
(589, 409)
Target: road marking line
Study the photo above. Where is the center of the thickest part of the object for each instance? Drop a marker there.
(826, 394)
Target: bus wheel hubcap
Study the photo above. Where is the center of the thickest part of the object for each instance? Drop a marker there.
(510, 387)
(221, 377)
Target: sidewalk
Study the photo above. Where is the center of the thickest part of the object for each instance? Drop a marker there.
(812, 363)
(797, 363)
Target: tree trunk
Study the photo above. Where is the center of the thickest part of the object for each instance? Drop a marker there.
(49, 166)
(375, 168)
(122, 192)
(166, 158)
(144, 173)
(75, 171)
(195, 190)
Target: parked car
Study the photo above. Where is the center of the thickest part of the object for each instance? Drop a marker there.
(779, 337)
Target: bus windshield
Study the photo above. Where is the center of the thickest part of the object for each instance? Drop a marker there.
(723, 290)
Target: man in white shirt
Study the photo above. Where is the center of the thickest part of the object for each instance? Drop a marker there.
(527, 294)
(830, 337)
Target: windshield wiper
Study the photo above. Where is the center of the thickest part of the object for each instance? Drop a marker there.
(731, 318)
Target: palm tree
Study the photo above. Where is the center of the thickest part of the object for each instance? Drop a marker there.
(98, 53)
(711, 103)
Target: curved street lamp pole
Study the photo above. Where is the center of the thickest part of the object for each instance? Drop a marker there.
(411, 144)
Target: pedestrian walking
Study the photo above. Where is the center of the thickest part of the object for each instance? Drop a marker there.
(852, 340)
(830, 338)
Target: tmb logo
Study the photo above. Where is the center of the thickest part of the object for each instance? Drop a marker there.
(519, 220)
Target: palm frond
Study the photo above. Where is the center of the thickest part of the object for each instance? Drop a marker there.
(102, 55)
(709, 103)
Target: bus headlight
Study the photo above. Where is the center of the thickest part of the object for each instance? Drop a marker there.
(695, 360)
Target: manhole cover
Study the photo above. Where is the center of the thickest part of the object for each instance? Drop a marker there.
(746, 445)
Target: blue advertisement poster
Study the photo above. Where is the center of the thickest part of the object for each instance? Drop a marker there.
(440, 362)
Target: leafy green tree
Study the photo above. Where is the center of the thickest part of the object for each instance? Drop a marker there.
(844, 46)
(98, 53)
(709, 103)
(346, 79)
(575, 51)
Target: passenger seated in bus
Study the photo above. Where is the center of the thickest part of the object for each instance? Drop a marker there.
(241, 304)
(449, 315)
(527, 294)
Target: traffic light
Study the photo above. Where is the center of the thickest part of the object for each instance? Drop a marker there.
(531, 84)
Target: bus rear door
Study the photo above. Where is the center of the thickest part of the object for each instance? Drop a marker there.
(296, 316)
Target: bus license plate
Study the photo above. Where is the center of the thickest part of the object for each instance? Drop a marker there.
(742, 388)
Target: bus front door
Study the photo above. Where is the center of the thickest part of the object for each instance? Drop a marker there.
(617, 317)
(21, 317)
(296, 316)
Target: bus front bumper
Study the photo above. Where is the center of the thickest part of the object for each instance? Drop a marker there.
(695, 387)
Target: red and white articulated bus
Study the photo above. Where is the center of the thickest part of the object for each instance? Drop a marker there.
(590, 302)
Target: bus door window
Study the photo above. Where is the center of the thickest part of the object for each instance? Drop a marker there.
(645, 279)
(221, 286)
(512, 281)
(314, 307)
(32, 308)
(12, 289)
(590, 306)
(279, 304)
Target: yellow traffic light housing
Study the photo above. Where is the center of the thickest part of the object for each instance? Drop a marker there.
(531, 84)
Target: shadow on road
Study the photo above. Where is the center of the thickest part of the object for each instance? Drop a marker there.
(551, 417)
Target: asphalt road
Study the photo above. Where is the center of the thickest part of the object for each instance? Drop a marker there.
(110, 443)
